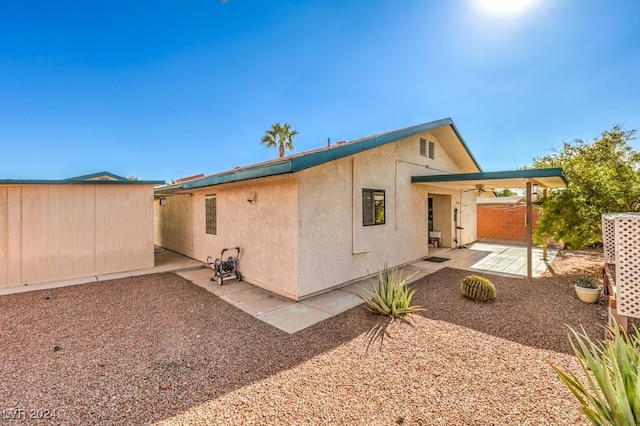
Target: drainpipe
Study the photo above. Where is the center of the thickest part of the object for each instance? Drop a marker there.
(546, 241)
(529, 231)
(354, 220)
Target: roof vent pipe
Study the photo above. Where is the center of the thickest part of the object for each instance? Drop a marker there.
(328, 142)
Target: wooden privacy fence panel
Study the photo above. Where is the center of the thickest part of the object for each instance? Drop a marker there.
(54, 232)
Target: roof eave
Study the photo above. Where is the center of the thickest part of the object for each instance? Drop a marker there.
(507, 174)
(312, 159)
(79, 182)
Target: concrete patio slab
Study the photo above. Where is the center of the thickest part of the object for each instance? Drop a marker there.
(294, 317)
(228, 288)
(202, 278)
(291, 316)
(333, 302)
(47, 285)
(510, 260)
(358, 288)
(256, 301)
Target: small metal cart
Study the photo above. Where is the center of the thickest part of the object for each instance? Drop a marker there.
(225, 268)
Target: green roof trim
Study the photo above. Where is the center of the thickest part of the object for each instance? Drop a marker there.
(271, 169)
(97, 175)
(508, 174)
(296, 163)
(83, 180)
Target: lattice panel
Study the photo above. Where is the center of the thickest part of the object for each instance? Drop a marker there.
(609, 236)
(627, 255)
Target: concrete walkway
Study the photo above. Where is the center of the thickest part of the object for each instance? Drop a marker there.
(291, 316)
(165, 261)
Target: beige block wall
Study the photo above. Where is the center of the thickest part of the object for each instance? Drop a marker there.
(334, 246)
(174, 223)
(266, 231)
(54, 232)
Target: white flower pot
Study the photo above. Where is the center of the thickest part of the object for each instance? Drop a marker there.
(588, 295)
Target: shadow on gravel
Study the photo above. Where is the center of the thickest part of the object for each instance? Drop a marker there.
(142, 349)
(532, 312)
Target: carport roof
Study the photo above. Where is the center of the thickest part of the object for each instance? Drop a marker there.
(545, 178)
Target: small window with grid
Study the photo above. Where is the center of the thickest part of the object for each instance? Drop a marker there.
(423, 147)
(211, 214)
(432, 149)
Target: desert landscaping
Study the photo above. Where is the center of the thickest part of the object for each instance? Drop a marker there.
(157, 349)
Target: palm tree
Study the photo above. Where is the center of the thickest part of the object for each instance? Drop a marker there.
(280, 135)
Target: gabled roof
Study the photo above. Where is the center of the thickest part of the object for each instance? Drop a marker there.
(100, 178)
(297, 162)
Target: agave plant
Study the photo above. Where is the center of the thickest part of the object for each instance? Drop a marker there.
(391, 296)
(610, 395)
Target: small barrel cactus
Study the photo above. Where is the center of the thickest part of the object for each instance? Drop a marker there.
(478, 288)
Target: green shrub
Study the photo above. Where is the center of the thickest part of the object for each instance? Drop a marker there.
(586, 282)
(478, 288)
(610, 395)
(391, 296)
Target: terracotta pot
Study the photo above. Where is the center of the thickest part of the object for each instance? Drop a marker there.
(588, 295)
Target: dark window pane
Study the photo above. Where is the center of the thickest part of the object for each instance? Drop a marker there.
(373, 207)
(379, 207)
(211, 214)
(368, 212)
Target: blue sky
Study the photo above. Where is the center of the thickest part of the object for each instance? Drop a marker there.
(166, 89)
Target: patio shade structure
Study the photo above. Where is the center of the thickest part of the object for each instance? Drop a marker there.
(543, 178)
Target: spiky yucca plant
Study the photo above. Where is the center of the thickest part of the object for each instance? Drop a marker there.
(391, 296)
(611, 394)
(478, 288)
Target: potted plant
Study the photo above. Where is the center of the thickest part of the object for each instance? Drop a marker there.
(587, 290)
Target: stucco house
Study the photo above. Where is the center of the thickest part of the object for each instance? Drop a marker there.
(313, 221)
(82, 226)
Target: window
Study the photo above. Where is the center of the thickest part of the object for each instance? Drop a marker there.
(423, 147)
(211, 214)
(372, 207)
(432, 149)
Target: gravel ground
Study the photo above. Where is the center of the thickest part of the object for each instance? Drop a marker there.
(158, 349)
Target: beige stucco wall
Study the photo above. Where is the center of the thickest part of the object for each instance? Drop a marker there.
(335, 247)
(265, 231)
(174, 223)
(54, 232)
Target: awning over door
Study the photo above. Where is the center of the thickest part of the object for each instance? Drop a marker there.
(543, 178)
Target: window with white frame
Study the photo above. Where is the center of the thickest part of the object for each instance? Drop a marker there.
(373, 207)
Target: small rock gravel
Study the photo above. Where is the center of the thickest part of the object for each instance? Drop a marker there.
(158, 349)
